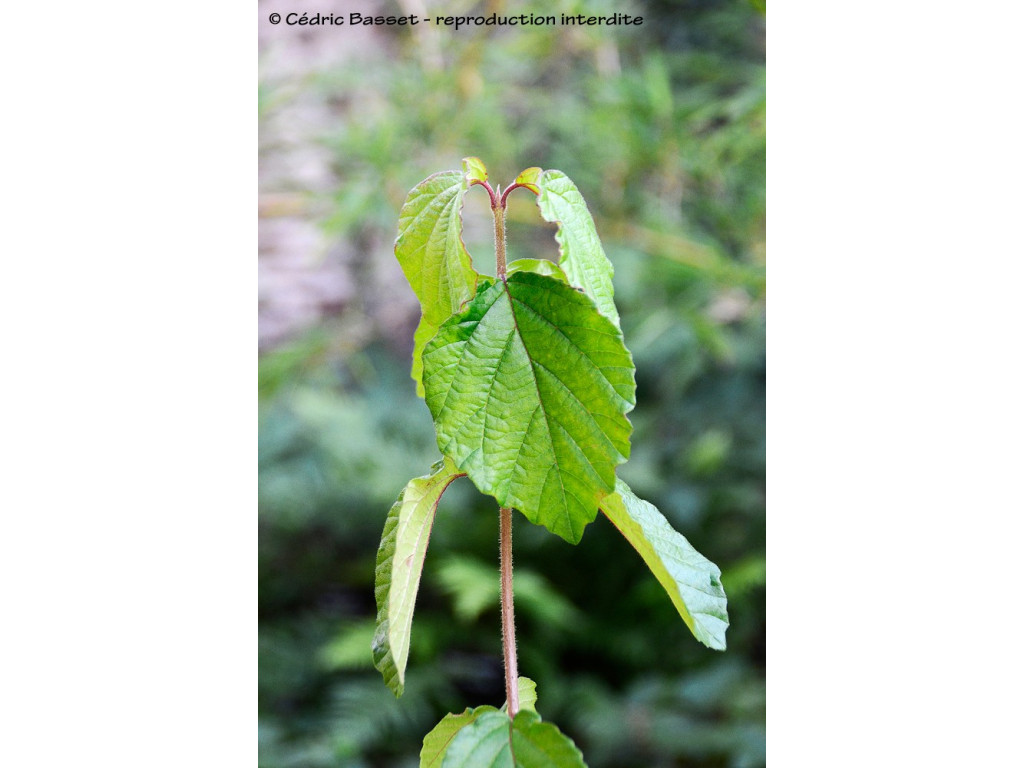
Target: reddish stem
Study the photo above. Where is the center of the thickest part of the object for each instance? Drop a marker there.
(485, 185)
(508, 619)
(504, 197)
(499, 241)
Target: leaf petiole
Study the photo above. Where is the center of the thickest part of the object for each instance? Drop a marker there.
(517, 185)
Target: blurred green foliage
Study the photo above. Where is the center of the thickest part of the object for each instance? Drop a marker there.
(663, 129)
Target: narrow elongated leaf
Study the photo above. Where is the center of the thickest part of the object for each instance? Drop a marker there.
(692, 581)
(436, 743)
(581, 255)
(403, 546)
(432, 255)
(493, 741)
(529, 387)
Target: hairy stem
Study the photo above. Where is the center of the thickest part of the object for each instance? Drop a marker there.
(508, 619)
(499, 236)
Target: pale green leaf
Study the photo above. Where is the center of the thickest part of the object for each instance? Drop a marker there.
(581, 255)
(539, 267)
(528, 179)
(493, 741)
(693, 582)
(529, 388)
(403, 546)
(432, 255)
(474, 169)
(527, 695)
(436, 743)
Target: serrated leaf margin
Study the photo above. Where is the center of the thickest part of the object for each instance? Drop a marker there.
(443, 278)
(605, 445)
(580, 253)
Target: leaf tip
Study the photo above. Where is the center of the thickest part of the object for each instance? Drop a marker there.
(716, 641)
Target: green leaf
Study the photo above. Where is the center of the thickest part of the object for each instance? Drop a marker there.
(528, 179)
(580, 253)
(436, 743)
(432, 255)
(529, 388)
(538, 267)
(403, 546)
(527, 695)
(493, 741)
(692, 581)
(475, 170)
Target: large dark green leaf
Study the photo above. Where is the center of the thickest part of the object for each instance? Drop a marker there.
(581, 255)
(693, 582)
(432, 255)
(529, 387)
(403, 546)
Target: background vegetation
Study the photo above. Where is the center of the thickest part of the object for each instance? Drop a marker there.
(662, 128)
